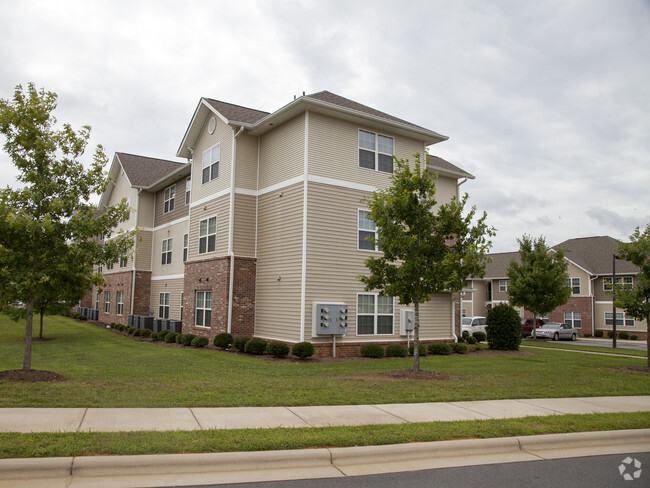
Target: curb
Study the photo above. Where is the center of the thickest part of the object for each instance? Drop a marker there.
(172, 469)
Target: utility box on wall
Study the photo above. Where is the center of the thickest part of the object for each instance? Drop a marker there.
(329, 319)
(406, 322)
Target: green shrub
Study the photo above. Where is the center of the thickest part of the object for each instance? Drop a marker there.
(623, 335)
(303, 349)
(422, 348)
(145, 332)
(240, 343)
(465, 334)
(587, 335)
(504, 328)
(154, 336)
(129, 330)
(439, 348)
(396, 351)
(223, 340)
(255, 346)
(199, 342)
(610, 334)
(277, 349)
(178, 338)
(479, 336)
(598, 333)
(634, 337)
(162, 334)
(133, 331)
(186, 339)
(170, 337)
(372, 351)
(80, 316)
(461, 339)
(459, 347)
(472, 340)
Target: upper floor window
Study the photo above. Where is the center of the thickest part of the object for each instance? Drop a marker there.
(625, 280)
(376, 151)
(208, 235)
(109, 266)
(210, 163)
(503, 285)
(123, 261)
(170, 197)
(574, 284)
(167, 251)
(367, 230)
(374, 314)
(188, 188)
(186, 239)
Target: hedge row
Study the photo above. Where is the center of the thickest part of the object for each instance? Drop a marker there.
(398, 350)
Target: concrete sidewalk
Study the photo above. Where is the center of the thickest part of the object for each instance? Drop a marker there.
(27, 420)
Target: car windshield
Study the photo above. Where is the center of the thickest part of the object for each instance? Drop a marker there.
(550, 326)
(467, 321)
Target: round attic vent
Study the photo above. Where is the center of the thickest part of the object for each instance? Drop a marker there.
(212, 125)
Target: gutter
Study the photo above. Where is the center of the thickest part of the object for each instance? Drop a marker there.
(231, 225)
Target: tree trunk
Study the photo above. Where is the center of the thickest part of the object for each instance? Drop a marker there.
(416, 337)
(29, 320)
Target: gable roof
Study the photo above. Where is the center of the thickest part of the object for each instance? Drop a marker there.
(235, 114)
(595, 255)
(497, 269)
(143, 172)
(446, 168)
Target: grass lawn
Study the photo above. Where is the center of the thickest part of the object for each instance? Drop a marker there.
(570, 345)
(106, 369)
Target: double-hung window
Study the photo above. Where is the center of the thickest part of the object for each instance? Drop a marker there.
(163, 306)
(120, 303)
(186, 242)
(208, 235)
(574, 284)
(625, 280)
(203, 308)
(123, 261)
(367, 231)
(376, 151)
(109, 266)
(574, 319)
(182, 296)
(97, 302)
(107, 302)
(188, 188)
(374, 314)
(621, 319)
(170, 197)
(503, 285)
(167, 251)
(210, 163)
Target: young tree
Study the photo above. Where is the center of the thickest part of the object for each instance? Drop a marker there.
(47, 225)
(539, 283)
(636, 300)
(424, 251)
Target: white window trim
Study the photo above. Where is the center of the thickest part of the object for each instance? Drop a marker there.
(166, 254)
(211, 164)
(607, 281)
(504, 288)
(625, 319)
(163, 304)
(188, 189)
(573, 318)
(107, 302)
(169, 201)
(119, 310)
(570, 284)
(359, 229)
(375, 315)
(186, 247)
(376, 151)
(216, 230)
(196, 308)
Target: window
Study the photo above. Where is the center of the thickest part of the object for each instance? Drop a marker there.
(374, 314)
(208, 235)
(120, 303)
(97, 302)
(110, 266)
(375, 151)
(186, 241)
(100, 268)
(123, 261)
(188, 187)
(367, 230)
(574, 319)
(621, 319)
(574, 284)
(167, 251)
(503, 285)
(163, 305)
(210, 163)
(107, 302)
(625, 280)
(203, 308)
(170, 197)
(182, 295)
(463, 312)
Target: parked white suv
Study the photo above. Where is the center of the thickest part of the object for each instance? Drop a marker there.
(473, 324)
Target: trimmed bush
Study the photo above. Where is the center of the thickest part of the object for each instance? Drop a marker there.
(277, 349)
(145, 332)
(303, 349)
(459, 347)
(623, 335)
(479, 336)
(472, 340)
(162, 334)
(461, 339)
(465, 334)
(186, 339)
(610, 334)
(199, 342)
(240, 343)
(504, 328)
(372, 351)
(154, 336)
(587, 335)
(634, 337)
(396, 351)
(439, 348)
(255, 346)
(170, 337)
(598, 333)
(178, 338)
(223, 340)
(422, 348)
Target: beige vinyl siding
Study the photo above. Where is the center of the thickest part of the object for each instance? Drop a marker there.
(333, 263)
(223, 134)
(282, 153)
(445, 190)
(244, 226)
(175, 232)
(334, 151)
(180, 209)
(279, 264)
(174, 288)
(246, 170)
(599, 320)
(122, 189)
(146, 209)
(219, 207)
(600, 294)
(143, 250)
(498, 296)
(575, 272)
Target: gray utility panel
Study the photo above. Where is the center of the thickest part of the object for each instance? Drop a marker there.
(329, 319)
(406, 321)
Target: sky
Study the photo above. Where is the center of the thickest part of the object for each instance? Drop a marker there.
(546, 103)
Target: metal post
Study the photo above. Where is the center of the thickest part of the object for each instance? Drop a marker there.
(614, 257)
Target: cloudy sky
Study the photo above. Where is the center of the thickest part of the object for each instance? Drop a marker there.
(547, 103)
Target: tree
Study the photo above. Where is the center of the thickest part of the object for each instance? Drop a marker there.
(423, 252)
(636, 300)
(47, 226)
(539, 283)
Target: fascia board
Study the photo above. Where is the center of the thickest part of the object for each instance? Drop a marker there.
(114, 170)
(448, 172)
(198, 118)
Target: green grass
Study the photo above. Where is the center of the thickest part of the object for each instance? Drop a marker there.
(570, 345)
(106, 369)
(129, 443)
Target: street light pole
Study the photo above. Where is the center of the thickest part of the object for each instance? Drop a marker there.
(614, 258)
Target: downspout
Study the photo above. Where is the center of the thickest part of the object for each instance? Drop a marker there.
(137, 215)
(231, 225)
(458, 187)
(593, 305)
(189, 221)
(303, 274)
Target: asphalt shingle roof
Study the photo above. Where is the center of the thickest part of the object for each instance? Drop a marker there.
(595, 254)
(236, 113)
(440, 163)
(143, 171)
(499, 266)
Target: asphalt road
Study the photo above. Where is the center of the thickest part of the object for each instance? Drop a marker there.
(639, 345)
(585, 472)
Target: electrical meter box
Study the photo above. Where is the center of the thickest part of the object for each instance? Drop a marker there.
(406, 321)
(329, 319)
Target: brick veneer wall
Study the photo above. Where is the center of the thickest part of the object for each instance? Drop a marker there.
(116, 282)
(575, 304)
(142, 301)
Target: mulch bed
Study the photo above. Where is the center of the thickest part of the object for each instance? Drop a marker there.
(30, 376)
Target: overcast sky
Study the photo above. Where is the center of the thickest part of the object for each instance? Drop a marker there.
(546, 103)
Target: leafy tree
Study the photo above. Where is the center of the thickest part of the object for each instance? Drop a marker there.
(539, 283)
(47, 226)
(636, 300)
(424, 252)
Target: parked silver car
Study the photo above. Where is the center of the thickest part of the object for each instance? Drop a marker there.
(556, 331)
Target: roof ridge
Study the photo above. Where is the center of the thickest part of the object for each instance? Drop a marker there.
(148, 157)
